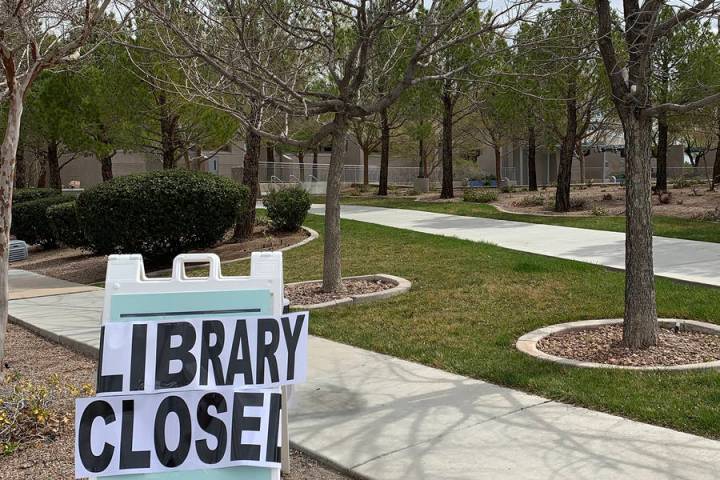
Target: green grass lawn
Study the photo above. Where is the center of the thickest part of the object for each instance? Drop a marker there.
(470, 302)
(664, 226)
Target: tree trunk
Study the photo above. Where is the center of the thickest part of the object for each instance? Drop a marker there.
(447, 146)
(421, 155)
(42, 172)
(662, 150)
(532, 150)
(332, 265)
(53, 163)
(716, 164)
(168, 133)
(366, 166)
(270, 157)
(246, 221)
(301, 161)
(581, 159)
(640, 325)
(562, 193)
(498, 164)
(21, 173)
(8, 150)
(106, 168)
(384, 152)
(315, 165)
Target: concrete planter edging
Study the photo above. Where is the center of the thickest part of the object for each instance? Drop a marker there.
(401, 286)
(528, 343)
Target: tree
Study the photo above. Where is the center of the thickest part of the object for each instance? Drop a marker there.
(311, 40)
(367, 136)
(570, 53)
(34, 36)
(51, 121)
(627, 59)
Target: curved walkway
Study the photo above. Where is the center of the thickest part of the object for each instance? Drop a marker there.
(686, 260)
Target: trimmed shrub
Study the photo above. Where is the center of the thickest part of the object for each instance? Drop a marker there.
(30, 222)
(479, 196)
(159, 214)
(65, 224)
(536, 200)
(287, 208)
(23, 195)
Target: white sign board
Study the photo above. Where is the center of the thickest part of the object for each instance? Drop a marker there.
(145, 357)
(189, 430)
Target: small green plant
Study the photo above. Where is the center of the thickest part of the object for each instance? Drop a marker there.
(65, 225)
(598, 211)
(479, 196)
(287, 208)
(682, 182)
(507, 188)
(530, 201)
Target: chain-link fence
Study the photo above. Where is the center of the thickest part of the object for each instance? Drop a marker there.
(294, 172)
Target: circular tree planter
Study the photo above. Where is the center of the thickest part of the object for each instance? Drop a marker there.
(399, 285)
(528, 343)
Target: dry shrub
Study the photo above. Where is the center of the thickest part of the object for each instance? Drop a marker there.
(665, 197)
(29, 412)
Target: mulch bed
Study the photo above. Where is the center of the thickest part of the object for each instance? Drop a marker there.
(311, 293)
(75, 265)
(35, 359)
(603, 345)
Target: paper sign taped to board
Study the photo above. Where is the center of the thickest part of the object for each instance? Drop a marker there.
(177, 431)
(202, 354)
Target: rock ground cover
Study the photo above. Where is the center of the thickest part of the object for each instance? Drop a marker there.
(75, 265)
(50, 456)
(603, 345)
(311, 293)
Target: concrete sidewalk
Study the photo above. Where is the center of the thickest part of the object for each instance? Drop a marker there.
(384, 418)
(687, 260)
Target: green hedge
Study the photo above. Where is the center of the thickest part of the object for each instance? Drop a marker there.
(30, 222)
(287, 208)
(159, 214)
(22, 195)
(65, 224)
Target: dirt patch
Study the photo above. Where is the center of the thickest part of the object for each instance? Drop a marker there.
(688, 202)
(311, 293)
(37, 360)
(603, 345)
(75, 265)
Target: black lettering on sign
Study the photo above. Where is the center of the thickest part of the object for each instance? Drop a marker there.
(272, 452)
(137, 357)
(106, 383)
(172, 458)
(94, 463)
(212, 425)
(130, 458)
(210, 354)
(240, 365)
(165, 354)
(266, 351)
(292, 339)
(241, 423)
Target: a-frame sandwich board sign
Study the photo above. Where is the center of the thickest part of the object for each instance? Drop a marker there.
(130, 296)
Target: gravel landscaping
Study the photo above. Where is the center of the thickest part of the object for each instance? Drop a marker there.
(603, 345)
(50, 455)
(75, 265)
(311, 293)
